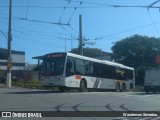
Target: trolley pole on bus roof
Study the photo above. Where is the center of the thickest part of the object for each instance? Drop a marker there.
(9, 62)
(80, 36)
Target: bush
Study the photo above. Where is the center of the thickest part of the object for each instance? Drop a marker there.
(26, 83)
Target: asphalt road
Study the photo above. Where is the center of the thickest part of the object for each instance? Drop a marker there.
(19, 99)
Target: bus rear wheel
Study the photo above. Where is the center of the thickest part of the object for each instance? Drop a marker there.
(83, 86)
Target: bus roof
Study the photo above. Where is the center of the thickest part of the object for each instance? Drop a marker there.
(90, 59)
(99, 61)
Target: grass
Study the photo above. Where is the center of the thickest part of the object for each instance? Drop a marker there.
(32, 84)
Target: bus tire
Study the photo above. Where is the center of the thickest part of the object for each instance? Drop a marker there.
(83, 86)
(117, 87)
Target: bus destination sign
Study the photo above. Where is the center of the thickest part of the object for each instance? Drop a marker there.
(55, 55)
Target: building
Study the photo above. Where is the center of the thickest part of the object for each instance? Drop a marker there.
(18, 59)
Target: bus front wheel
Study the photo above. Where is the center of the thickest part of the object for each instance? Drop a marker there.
(83, 86)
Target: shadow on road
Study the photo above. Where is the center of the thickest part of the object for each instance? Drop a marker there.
(140, 93)
(32, 92)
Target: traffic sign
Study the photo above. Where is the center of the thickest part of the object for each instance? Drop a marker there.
(9, 64)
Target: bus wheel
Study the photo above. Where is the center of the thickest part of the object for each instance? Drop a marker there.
(83, 86)
(117, 87)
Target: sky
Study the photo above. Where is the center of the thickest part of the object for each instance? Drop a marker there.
(36, 32)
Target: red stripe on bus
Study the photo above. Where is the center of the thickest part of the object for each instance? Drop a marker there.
(78, 77)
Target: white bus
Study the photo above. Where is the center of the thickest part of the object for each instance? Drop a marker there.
(67, 70)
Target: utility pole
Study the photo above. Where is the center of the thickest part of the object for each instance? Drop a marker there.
(9, 62)
(80, 35)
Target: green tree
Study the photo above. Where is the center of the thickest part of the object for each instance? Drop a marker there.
(137, 51)
(90, 52)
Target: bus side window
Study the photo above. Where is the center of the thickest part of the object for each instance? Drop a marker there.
(88, 68)
(86, 63)
(70, 67)
(80, 67)
(96, 69)
(69, 64)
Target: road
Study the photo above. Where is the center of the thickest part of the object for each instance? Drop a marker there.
(21, 99)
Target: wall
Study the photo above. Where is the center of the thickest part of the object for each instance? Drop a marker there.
(18, 59)
(18, 74)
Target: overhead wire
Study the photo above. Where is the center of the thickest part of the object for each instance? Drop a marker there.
(74, 30)
(93, 3)
(40, 21)
(153, 4)
(40, 33)
(75, 8)
(119, 32)
(48, 37)
(50, 29)
(4, 34)
(153, 23)
(59, 7)
(39, 42)
(37, 21)
(101, 5)
(124, 31)
(81, 2)
(64, 10)
(151, 16)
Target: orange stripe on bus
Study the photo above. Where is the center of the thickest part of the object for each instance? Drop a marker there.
(78, 77)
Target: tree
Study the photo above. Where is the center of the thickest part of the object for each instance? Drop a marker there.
(90, 52)
(138, 52)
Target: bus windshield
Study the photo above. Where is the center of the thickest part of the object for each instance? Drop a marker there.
(53, 65)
